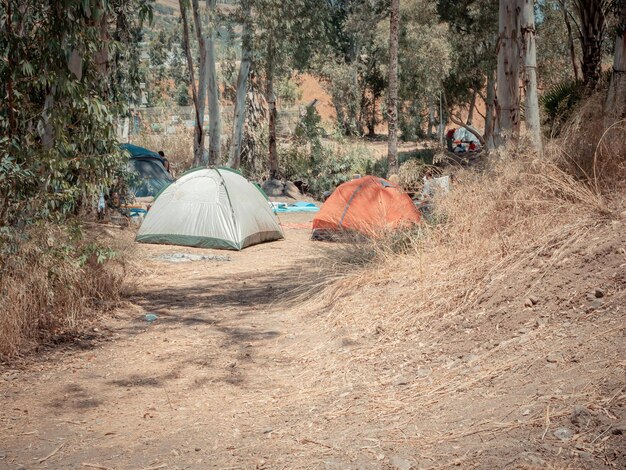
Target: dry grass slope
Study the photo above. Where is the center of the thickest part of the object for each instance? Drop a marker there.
(51, 286)
(496, 327)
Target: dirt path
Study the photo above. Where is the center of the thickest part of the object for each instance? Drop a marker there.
(199, 388)
(235, 375)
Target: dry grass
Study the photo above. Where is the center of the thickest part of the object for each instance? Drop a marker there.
(491, 223)
(589, 151)
(178, 148)
(51, 284)
(449, 298)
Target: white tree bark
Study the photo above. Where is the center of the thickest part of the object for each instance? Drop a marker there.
(431, 116)
(199, 158)
(198, 140)
(392, 110)
(213, 92)
(270, 96)
(528, 53)
(490, 111)
(234, 159)
(507, 106)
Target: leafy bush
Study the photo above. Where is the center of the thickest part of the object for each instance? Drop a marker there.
(558, 103)
(324, 165)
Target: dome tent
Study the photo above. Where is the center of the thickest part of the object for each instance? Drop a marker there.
(367, 205)
(210, 208)
(149, 174)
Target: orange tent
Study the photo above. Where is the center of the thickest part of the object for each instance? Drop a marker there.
(368, 205)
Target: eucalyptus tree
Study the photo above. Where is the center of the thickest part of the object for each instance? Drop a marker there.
(508, 96)
(66, 73)
(198, 88)
(286, 35)
(234, 159)
(215, 119)
(473, 37)
(392, 107)
(528, 53)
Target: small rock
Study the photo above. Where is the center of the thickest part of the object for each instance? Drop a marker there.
(599, 293)
(267, 430)
(400, 463)
(526, 412)
(150, 317)
(291, 190)
(197, 449)
(401, 381)
(595, 305)
(554, 357)
(423, 372)
(530, 301)
(563, 433)
(585, 455)
(581, 416)
(619, 429)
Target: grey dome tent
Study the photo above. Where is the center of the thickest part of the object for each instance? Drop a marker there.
(210, 208)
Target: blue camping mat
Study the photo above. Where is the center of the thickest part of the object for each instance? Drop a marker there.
(300, 206)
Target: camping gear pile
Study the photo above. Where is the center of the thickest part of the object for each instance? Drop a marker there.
(461, 140)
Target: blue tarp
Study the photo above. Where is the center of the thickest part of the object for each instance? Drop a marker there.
(300, 206)
(136, 151)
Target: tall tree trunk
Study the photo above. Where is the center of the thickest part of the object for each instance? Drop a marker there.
(213, 92)
(528, 53)
(470, 113)
(392, 111)
(490, 105)
(507, 105)
(592, 18)
(371, 122)
(442, 120)
(198, 138)
(615, 107)
(271, 102)
(234, 159)
(570, 40)
(431, 116)
(199, 158)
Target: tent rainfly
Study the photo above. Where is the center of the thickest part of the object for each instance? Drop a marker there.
(369, 205)
(210, 208)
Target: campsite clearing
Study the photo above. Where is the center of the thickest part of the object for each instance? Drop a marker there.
(236, 373)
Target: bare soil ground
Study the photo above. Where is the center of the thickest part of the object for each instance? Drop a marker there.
(240, 371)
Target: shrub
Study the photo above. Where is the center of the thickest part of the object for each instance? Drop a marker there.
(52, 279)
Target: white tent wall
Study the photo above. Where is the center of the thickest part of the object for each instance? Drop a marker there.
(256, 222)
(210, 208)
